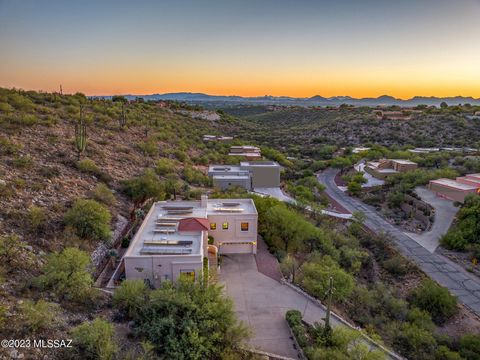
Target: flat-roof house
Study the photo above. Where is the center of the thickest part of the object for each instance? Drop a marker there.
(227, 176)
(455, 190)
(386, 167)
(217, 138)
(173, 238)
(248, 175)
(392, 115)
(247, 151)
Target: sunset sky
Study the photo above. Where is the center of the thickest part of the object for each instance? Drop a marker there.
(298, 47)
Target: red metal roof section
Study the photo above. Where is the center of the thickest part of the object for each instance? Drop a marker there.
(193, 224)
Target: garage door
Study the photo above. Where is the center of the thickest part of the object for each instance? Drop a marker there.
(236, 248)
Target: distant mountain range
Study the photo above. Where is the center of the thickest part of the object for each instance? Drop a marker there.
(316, 100)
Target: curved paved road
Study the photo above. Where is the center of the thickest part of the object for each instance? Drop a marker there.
(461, 283)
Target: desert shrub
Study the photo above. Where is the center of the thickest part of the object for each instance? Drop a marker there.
(22, 162)
(14, 253)
(39, 315)
(467, 230)
(420, 318)
(195, 177)
(130, 296)
(6, 108)
(89, 219)
(26, 119)
(8, 147)
(316, 275)
(103, 194)
(188, 320)
(165, 166)
(294, 320)
(434, 299)
(414, 342)
(20, 102)
(469, 347)
(68, 274)
(148, 147)
(95, 340)
(397, 265)
(454, 240)
(444, 353)
(37, 218)
(49, 171)
(88, 166)
(144, 187)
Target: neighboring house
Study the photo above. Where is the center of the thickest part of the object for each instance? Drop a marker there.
(423, 150)
(456, 190)
(475, 116)
(248, 175)
(359, 149)
(228, 176)
(392, 115)
(173, 238)
(217, 138)
(386, 167)
(247, 151)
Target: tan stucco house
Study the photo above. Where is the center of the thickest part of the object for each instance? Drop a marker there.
(173, 238)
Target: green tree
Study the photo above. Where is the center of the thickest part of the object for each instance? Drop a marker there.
(341, 163)
(316, 274)
(146, 186)
(39, 315)
(89, 219)
(130, 296)
(354, 187)
(470, 346)
(469, 221)
(189, 321)
(414, 342)
(14, 253)
(68, 274)
(95, 340)
(289, 266)
(434, 299)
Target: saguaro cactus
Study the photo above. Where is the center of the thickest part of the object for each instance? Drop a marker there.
(80, 134)
(123, 118)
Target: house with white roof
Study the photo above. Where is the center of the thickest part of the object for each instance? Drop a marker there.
(173, 238)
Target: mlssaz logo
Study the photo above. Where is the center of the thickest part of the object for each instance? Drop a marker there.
(52, 343)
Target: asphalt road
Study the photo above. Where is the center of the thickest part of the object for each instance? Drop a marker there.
(461, 283)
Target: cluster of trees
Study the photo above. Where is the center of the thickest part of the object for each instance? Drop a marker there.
(465, 234)
(310, 255)
(182, 320)
(340, 343)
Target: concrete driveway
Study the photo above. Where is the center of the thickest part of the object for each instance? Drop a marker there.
(444, 214)
(262, 302)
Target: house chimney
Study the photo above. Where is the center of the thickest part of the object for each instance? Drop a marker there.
(204, 201)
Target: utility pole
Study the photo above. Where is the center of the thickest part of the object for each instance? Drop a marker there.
(328, 328)
(61, 90)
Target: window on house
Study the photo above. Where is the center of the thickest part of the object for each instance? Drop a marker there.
(213, 226)
(244, 226)
(225, 226)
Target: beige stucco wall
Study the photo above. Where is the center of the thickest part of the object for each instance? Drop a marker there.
(450, 193)
(265, 176)
(234, 232)
(161, 268)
